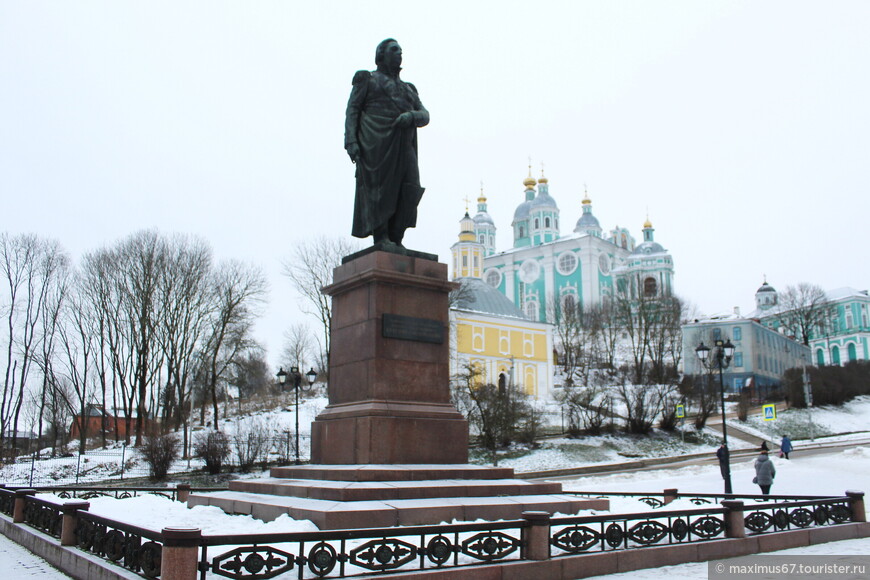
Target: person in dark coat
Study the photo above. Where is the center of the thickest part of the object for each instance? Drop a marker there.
(785, 446)
(383, 114)
(764, 472)
(764, 446)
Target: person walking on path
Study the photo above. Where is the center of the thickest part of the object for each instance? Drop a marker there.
(764, 472)
(785, 446)
(722, 456)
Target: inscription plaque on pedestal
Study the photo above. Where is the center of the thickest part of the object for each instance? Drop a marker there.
(412, 328)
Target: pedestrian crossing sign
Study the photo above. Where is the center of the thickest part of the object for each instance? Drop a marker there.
(769, 412)
(681, 411)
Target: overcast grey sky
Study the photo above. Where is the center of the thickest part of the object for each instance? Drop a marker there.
(743, 128)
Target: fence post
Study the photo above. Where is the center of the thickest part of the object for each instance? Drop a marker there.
(123, 452)
(180, 554)
(536, 544)
(70, 511)
(856, 503)
(734, 524)
(670, 495)
(78, 466)
(20, 502)
(182, 492)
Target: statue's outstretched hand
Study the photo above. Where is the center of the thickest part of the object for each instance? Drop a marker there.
(353, 152)
(404, 120)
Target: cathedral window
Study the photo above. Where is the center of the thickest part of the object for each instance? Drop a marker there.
(547, 222)
(482, 239)
(532, 310)
(569, 304)
(522, 232)
(537, 224)
(567, 263)
(650, 287)
(493, 278)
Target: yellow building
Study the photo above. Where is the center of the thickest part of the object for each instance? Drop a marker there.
(488, 331)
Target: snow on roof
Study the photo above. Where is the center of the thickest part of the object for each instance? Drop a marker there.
(844, 292)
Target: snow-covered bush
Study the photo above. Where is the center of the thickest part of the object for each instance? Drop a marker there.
(159, 451)
(213, 448)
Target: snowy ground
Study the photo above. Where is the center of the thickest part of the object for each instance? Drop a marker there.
(829, 474)
(802, 475)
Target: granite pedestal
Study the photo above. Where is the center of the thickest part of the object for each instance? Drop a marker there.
(390, 448)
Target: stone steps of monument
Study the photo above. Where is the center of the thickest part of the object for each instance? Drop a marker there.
(326, 514)
(391, 472)
(393, 490)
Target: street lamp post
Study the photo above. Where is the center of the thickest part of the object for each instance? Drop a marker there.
(297, 383)
(722, 355)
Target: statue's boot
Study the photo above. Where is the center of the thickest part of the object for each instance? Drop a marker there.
(381, 235)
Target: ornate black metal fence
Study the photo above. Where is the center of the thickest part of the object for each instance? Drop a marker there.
(43, 515)
(776, 516)
(120, 543)
(340, 553)
(347, 553)
(576, 535)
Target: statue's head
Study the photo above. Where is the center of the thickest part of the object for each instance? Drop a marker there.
(388, 54)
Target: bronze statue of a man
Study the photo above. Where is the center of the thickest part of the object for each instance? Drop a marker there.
(380, 136)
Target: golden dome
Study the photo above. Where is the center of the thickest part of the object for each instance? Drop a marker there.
(647, 223)
(529, 182)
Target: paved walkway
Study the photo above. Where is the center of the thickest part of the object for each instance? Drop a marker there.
(17, 562)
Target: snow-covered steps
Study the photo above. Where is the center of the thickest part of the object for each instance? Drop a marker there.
(351, 496)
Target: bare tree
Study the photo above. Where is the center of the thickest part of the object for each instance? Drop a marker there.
(575, 334)
(184, 300)
(608, 332)
(140, 258)
(103, 283)
(664, 347)
(78, 340)
(802, 309)
(298, 346)
(30, 268)
(238, 290)
(310, 269)
(635, 315)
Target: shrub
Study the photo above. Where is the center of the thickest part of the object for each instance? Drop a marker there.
(251, 443)
(213, 448)
(159, 451)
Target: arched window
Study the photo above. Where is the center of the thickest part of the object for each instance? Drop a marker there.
(502, 383)
(853, 354)
(546, 222)
(532, 310)
(482, 239)
(820, 357)
(537, 223)
(650, 287)
(522, 233)
(835, 355)
(569, 304)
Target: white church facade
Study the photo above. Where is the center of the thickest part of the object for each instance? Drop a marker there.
(581, 268)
